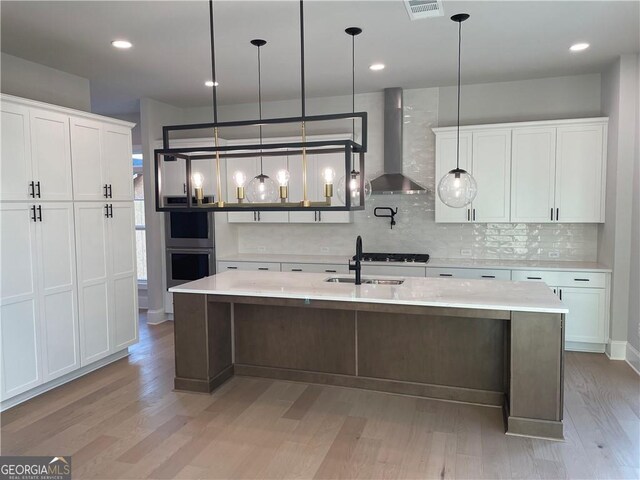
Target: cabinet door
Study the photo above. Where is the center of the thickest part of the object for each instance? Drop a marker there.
(89, 169)
(93, 281)
(57, 299)
(585, 321)
(533, 163)
(579, 174)
(15, 154)
(492, 170)
(123, 281)
(446, 149)
(51, 154)
(116, 153)
(19, 316)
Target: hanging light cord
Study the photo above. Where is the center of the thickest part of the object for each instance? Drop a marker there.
(213, 64)
(353, 85)
(458, 136)
(260, 106)
(302, 82)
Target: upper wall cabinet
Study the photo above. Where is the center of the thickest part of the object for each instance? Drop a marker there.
(102, 166)
(51, 153)
(486, 155)
(533, 172)
(36, 156)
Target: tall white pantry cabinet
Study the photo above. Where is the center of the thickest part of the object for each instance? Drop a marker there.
(68, 284)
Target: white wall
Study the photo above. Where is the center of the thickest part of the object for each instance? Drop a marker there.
(416, 230)
(619, 100)
(633, 330)
(31, 80)
(153, 116)
(539, 99)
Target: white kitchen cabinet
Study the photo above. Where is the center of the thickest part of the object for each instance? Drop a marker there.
(586, 320)
(342, 268)
(446, 151)
(251, 168)
(105, 236)
(528, 172)
(491, 168)
(57, 289)
(102, 163)
(51, 154)
(471, 273)
(587, 298)
(20, 331)
(533, 175)
(39, 308)
(36, 155)
(486, 154)
(248, 266)
(580, 174)
(15, 155)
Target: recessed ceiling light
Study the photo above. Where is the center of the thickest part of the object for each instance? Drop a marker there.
(578, 47)
(122, 44)
(209, 83)
(376, 66)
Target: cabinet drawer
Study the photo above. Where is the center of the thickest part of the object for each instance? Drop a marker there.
(471, 273)
(315, 267)
(393, 270)
(248, 266)
(563, 279)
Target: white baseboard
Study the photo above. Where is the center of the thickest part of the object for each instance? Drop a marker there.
(585, 347)
(633, 358)
(40, 389)
(616, 350)
(155, 317)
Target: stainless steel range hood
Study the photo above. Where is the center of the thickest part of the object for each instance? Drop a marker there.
(392, 181)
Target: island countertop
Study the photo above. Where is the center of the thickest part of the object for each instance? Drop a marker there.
(428, 292)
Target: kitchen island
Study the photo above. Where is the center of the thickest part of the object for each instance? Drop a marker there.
(494, 343)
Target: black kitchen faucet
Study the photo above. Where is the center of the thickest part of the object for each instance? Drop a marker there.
(357, 265)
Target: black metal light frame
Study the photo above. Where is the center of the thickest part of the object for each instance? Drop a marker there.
(348, 147)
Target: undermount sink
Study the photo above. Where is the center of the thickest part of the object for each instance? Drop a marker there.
(369, 281)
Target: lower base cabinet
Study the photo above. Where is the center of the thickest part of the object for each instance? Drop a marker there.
(585, 322)
(107, 282)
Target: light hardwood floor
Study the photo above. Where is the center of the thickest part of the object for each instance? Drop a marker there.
(124, 421)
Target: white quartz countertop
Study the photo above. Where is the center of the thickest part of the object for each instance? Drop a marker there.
(429, 292)
(433, 262)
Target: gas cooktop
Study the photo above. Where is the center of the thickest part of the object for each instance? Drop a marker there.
(395, 257)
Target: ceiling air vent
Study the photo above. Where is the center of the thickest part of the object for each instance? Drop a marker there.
(418, 9)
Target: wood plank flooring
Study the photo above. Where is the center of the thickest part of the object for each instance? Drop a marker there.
(125, 421)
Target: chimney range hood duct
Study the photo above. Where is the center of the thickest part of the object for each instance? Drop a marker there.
(392, 181)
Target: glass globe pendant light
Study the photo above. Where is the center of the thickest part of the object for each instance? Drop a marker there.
(261, 188)
(354, 180)
(458, 188)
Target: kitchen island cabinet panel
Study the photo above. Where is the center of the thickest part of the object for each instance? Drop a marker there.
(296, 338)
(460, 352)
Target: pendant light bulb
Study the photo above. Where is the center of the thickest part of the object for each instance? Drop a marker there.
(283, 178)
(353, 183)
(458, 188)
(240, 178)
(198, 180)
(329, 174)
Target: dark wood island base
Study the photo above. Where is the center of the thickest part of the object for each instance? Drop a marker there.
(496, 358)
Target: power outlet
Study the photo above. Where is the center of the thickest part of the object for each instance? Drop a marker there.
(465, 252)
(324, 249)
(262, 249)
(554, 254)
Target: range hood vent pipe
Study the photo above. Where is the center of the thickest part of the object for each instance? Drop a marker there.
(392, 181)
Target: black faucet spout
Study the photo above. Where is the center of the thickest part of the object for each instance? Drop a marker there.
(357, 265)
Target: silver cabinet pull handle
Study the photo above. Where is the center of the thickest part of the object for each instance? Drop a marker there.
(446, 275)
(232, 268)
(263, 268)
(488, 276)
(580, 279)
(296, 269)
(534, 278)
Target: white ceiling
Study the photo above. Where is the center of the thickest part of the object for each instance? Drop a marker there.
(503, 40)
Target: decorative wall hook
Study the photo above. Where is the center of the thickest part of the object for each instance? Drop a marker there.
(392, 213)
